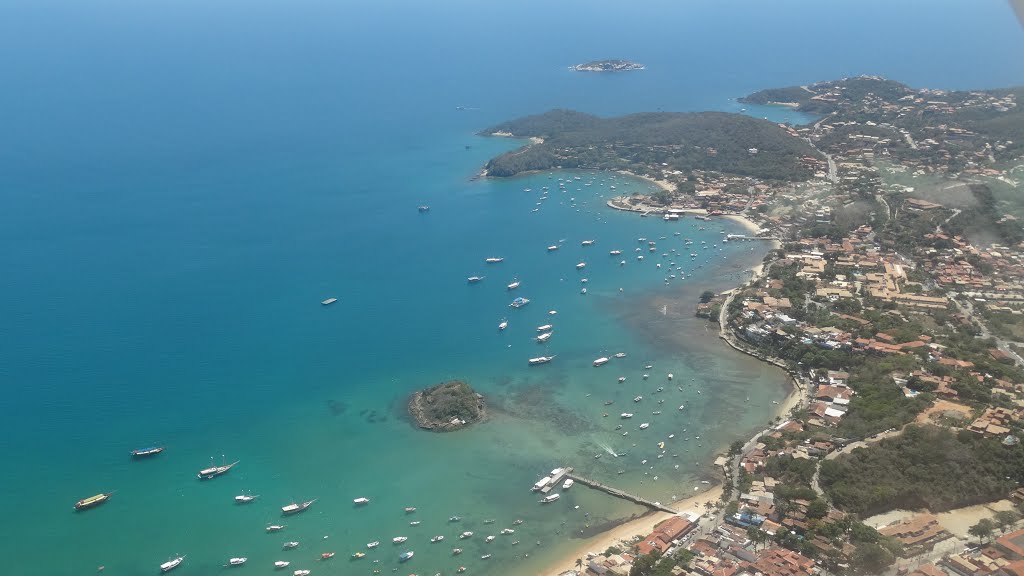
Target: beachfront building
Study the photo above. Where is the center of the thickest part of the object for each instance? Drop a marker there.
(918, 534)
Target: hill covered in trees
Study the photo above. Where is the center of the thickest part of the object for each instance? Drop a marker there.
(684, 141)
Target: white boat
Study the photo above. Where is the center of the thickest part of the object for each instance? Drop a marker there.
(490, 538)
(465, 535)
(587, 242)
(329, 301)
(361, 501)
(540, 360)
(275, 527)
(514, 285)
(414, 523)
(507, 531)
(626, 415)
(373, 544)
(503, 324)
(581, 265)
(290, 545)
(622, 379)
(485, 556)
(172, 564)
(437, 538)
(281, 564)
(474, 279)
(493, 260)
(544, 328)
(544, 337)
(583, 291)
(404, 556)
(296, 507)
(399, 539)
(237, 561)
(456, 551)
(644, 426)
(638, 398)
(568, 483)
(620, 354)
(300, 573)
(519, 302)
(552, 248)
(601, 361)
(615, 252)
(410, 509)
(550, 498)
(245, 498)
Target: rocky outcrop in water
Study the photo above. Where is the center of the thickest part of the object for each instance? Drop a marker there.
(446, 407)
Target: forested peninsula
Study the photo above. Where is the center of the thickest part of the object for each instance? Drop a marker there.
(683, 141)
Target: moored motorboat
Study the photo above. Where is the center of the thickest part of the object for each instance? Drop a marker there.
(494, 260)
(620, 354)
(568, 483)
(144, 452)
(545, 328)
(552, 248)
(281, 564)
(373, 544)
(172, 564)
(245, 498)
(485, 556)
(290, 545)
(214, 471)
(328, 301)
(544, 337)
(300, 573)
(581, 265)
(423, 208)
(456, 551)
(626, 415)
(517, 522)
(438, 538)
(503, 324)
(410, 509)
(361, 501)
(275, 527)
(515, 284)
(474, 279)
(237, 561)
(358, 555)
(519, 302)
(507, 531)
(399, 539)
(587, 243)
(550, 498)
(454, 518)
(465, 535)
(490, 538)
(406, 556)
(601, 361)
(329, 555)
(295, 507)
(540, 360)
(92, 501)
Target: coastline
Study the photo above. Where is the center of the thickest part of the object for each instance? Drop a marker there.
(622, 535)
(625, 532)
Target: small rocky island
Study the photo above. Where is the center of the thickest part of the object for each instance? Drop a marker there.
(446, 407)
(607, 66)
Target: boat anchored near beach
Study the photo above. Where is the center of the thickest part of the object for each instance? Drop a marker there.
(295, 507)
(214, 471)
(92, 501)
(147, 452)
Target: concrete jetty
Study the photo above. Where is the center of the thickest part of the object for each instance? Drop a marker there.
(618, 493)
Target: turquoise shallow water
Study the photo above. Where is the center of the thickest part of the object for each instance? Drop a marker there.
(184, 182)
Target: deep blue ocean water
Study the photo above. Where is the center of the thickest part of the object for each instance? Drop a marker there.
(183, 182)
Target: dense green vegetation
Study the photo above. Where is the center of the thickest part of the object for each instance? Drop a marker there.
(984, 217)
(436, 406)
(924, 467)
(715, 141)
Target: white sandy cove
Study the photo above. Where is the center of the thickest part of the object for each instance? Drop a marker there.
(639, 527)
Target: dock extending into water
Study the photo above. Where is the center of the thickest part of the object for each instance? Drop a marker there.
(556, 479)
(618, 493)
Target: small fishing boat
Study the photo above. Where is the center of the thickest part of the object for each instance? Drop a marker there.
(485, 556)
(517, 522)
(465, 535)
(290, 545)
(373, 544)
(490, 521)
(399, 539)
(474, 279)
(494, 260)
(540, 360)
(245, 498)
(145, 452)
(361, 501)
(455, 518)
(581, 265)
(545, 328)
(519, 302)
(503, 324)
(328, 302)
(550, 498)
(410, 509)
(423, 208)
(414, 523)
(358, 555)
(568, 483)
(490, 538)
(601, 361)
(237, 561)
(644, 426)
(172, 564)
(507, 531)
(281, 564)
(544, 337)
(295, 508)
(456, 551)
(300, 573)
(515, 284)
(275, 527)
(626, 415)
(587, 243)
(437, 538)
(329, 555)
(552, 248)
(92, 501)
(214, 471)
(405, 556)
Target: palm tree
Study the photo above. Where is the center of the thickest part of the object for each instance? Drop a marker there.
(579, 563)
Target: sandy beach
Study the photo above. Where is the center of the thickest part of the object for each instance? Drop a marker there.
(626, 532)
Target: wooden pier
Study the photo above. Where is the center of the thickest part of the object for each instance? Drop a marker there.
(618, 493)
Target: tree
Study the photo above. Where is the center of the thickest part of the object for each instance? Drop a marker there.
(1004, 519)
(706, 296)
(579, 563)
(983, 529)
(644, 565)
(871, 558)
(817, 509)
(756, 535)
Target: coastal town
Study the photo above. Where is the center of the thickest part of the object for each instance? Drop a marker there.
(894, 298)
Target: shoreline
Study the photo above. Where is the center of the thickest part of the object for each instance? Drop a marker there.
(623, 534)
